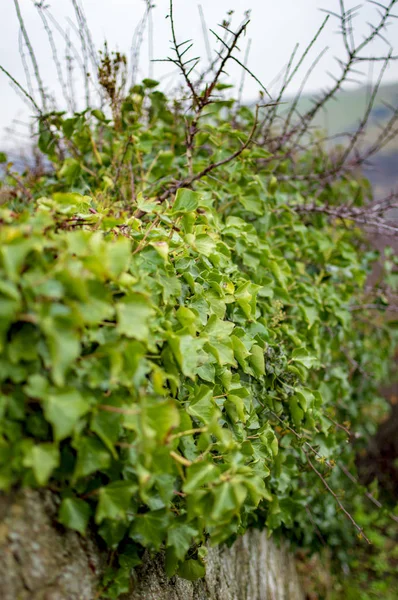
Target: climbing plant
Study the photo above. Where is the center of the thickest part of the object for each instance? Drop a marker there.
(187, 345)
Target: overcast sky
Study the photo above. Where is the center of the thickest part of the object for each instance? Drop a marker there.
(276, 26)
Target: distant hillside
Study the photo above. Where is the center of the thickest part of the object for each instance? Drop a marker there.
(343, 115)
(345, 111)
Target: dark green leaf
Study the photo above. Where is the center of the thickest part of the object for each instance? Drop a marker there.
(75, 514)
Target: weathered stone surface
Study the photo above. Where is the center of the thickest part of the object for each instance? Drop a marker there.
(39, 560)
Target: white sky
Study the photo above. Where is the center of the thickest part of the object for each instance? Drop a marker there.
(276, 26)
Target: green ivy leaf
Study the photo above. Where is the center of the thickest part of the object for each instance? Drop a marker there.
(186, 350)
(119, 256)
(70, 170)
(228, 498)
(43, 459)
(162, 417)
(198, 475)
(107, 426)
(114, 500)
(305, 398)
(150, 83)
(134, 313)
(92, 456)
(303, 357)
(296, 412)
(270, 440)
(64, 346)
(63, 410)
(202, 405)
(75, 514)
(240, 351)
(180, 537)
(192, 570)
(257, 360)
(98, 114)
(186, 201)
(150, 529)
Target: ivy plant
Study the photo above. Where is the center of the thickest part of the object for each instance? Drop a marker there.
(181, 354)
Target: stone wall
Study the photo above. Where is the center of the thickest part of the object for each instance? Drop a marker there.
(39, 560)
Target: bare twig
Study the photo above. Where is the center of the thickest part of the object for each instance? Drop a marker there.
(22, 90)
(25, 65)
(188, 181)
(338, 501)
(367, 494)
(317, 530)
(21, 185)
(387, 307)
(205, 34)
(179, 62)
(136, 44)
(339, 426)
(242, 80)
(351, 214)
(291, 74)
(299, 437)
(150, 38)
(347, 67)
(32, 56)
(55, 56)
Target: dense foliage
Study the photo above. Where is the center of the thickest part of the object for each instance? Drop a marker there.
(181, 366)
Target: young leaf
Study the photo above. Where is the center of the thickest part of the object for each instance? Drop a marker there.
(186, 201)
(192, 570)
(63, 410)
(134, 313)
(198, 475)
(303, 357)
(202, 405)
(43, 459)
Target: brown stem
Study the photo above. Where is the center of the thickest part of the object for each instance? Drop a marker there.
(338, 501)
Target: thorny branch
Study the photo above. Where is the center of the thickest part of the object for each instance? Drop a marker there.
(340, 504)
(200, 100)
(367, 494)
(330, 466)
(285, 143)
(32, 56)
(188, 181)
(347, 67)
(362, 216)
